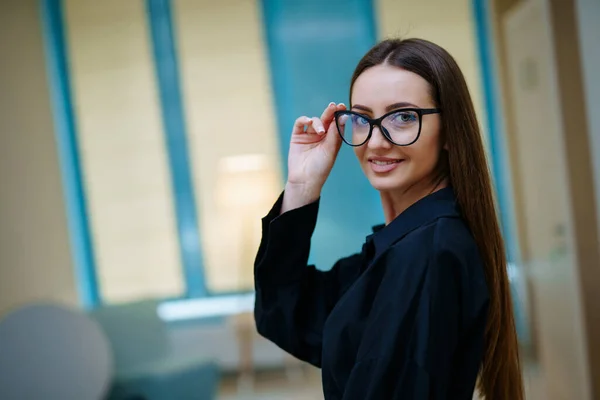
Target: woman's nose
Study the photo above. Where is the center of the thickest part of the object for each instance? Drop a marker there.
(378, 140)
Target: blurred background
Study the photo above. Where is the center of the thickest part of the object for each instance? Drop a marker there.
(141, 141)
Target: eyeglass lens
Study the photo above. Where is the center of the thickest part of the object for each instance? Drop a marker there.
(402, 127)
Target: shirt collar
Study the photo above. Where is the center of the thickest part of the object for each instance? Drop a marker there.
(436, 205)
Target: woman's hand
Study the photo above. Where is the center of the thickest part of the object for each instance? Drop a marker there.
(311, 157)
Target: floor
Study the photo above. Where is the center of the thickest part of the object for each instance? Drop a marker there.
(305, 384)
(301, 384)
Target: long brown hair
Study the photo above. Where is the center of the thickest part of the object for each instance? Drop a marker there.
(466, 168)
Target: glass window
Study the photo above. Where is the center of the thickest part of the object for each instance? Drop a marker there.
(231, 126)
(123, 156)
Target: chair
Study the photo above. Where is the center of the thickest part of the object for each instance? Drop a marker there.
(49, 352)
(144, 365)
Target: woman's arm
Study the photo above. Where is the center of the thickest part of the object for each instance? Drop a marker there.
(293, 299)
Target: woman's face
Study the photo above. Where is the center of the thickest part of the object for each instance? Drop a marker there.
(377, 91)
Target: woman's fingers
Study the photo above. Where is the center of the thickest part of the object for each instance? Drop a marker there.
(327, 116)
(308, 125)
(338, 107)
(316, 126)
(300, 124)
(333, 136)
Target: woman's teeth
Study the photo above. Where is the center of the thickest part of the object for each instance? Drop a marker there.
(385, 162)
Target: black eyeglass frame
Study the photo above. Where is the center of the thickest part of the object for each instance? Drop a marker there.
(377, 122)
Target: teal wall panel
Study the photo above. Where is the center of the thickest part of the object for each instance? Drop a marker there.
(313, 47)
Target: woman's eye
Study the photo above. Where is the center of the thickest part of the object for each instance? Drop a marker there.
(405, 117)
(358, 120)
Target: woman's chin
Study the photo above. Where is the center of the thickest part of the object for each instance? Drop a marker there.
(385, 184)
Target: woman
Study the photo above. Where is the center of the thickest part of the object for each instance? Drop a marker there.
(424, 310)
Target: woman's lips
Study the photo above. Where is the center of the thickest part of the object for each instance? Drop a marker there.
(383, 165)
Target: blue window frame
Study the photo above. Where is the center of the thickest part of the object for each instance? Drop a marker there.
(66, 137)
(167, 73)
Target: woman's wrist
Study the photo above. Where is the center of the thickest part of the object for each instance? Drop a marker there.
(297, 195)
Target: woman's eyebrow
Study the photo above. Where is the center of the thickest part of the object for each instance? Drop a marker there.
(361, 107)
(391, 107)
(402, 104)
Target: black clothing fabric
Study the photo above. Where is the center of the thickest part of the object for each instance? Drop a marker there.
(402, 319)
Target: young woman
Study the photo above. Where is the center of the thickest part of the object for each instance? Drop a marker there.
(424, 310)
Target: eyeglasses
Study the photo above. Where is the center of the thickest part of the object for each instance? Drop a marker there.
(400, 127)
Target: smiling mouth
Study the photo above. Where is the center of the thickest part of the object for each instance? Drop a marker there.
(385, 162)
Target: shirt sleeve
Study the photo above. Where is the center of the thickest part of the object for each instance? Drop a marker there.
(294, 299)
(409, 354)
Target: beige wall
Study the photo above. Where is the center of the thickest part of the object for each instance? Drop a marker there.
(35, 262)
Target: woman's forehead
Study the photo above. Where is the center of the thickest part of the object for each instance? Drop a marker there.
(381, 85)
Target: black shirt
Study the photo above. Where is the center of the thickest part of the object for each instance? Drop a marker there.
(403, 319)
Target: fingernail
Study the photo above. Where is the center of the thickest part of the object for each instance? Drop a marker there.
(321, 131)
(331, 104)
(341, 104)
